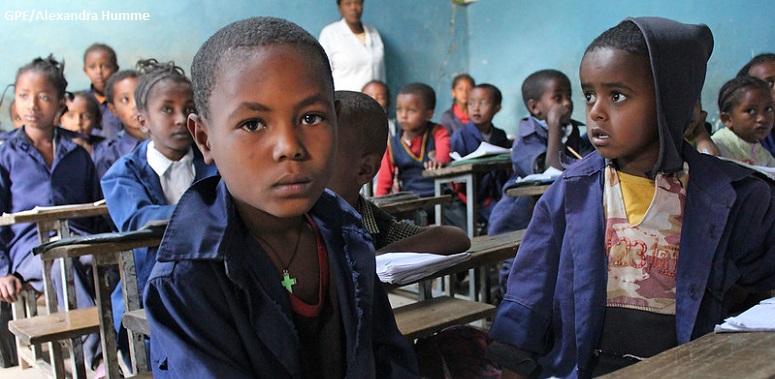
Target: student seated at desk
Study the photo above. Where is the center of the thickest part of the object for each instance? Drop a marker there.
(420, 144)
(762, 66)
(145, 184)
(40, 165)
(484, 102)
(361, 142)
(746, 108)
(546, 138)
(262, 272)
(636, 248)
(120, 96)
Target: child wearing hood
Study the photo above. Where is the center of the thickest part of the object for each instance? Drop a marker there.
(634, 249)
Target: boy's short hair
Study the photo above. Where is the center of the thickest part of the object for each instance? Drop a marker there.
(460, 77)
(239, 37)
(729, 95)
(534, 86)
(761, 58)
(421, 90)
(496, 94)
(105, 48)
(367, 119)
(115, 78)
(625, 36)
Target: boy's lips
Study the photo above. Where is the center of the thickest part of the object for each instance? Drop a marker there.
(293, 184)
(598, 137)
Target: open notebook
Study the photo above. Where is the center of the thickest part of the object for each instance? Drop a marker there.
(404, 268)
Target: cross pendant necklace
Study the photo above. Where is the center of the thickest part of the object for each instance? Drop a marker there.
(288, 282)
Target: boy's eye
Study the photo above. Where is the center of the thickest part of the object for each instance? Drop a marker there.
(589, 97)
(618, 97)
(22, 95)
(750, 111)
(768, 109)
(44, 97)
(125, 100)
(166, 109)
(252, 125)
(311, 119)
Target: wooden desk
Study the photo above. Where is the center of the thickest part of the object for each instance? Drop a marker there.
(723, 355)
(108, 250)
(528, 190)
(48, 219)
(466, 172)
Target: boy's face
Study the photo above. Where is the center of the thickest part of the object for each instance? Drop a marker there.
(98, 67)
(621, 108)
(460, 92)
(124, 107)
(482, 107)
(36, 100)
(78, 118)
(765, 71)
(752, 118)
(271, 131)
(557, 92)
(377, 92)
(412, 113)
(169, 104)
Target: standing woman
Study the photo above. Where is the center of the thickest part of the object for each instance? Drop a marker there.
(355, 49)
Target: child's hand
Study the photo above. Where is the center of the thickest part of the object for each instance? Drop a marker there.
(433, 165)
(558, 116)
(10, 288)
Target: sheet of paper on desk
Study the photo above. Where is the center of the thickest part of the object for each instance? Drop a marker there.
(483, 150)
(402, 268)
(757, 319)
(43, 209)
(548, 176)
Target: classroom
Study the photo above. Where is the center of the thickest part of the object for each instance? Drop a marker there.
(489, 307)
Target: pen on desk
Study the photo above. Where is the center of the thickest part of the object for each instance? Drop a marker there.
(574, 152)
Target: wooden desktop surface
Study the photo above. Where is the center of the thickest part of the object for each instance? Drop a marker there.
(723, 355)
(61, 212)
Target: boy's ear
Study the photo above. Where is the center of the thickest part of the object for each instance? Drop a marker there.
(143, 124)
(111, 108)
(428, 114)
(496, 110)
(726, 120)
(532, 107)
(199, 131)
(368, 168)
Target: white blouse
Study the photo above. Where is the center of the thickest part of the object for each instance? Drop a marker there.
(353, 63)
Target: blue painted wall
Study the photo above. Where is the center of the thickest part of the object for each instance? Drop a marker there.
(496, 41)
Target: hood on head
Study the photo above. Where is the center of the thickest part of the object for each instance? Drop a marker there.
(679, 54)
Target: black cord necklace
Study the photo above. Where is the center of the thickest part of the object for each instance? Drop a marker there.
(288, 282)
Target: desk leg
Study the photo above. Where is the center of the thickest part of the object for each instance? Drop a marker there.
(132, 302)
(470, 205)
(437, 192)
(101, 270)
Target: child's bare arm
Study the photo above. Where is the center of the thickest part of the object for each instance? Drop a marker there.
(442, 239)
(558, 117)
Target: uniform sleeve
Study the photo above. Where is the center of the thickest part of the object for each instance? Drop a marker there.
(443, 146)
(393, 355)
(193, 333)
(523, 319)
(5, 231)
(528, 154)
(128, 199)
(753, 242)
(385, 174)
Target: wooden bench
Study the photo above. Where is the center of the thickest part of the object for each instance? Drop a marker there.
(425, 318)
(56, 326)
(107, 251)
(49, 220)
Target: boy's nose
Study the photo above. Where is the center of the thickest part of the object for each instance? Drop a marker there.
(287, 144)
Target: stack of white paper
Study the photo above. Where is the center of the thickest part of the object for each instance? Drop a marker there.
(484, 149)
(403, 268)
(757, 319)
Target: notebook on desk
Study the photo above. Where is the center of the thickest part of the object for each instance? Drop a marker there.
(757, 319)
(404, 268)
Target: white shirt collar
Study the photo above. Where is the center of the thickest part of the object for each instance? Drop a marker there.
(159, 163)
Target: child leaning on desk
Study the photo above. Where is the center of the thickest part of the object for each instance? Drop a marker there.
(635, 249)
(40, 165)
(546, 138)
(419, 145)
(361, 142)
(261, 272)
(484, 102)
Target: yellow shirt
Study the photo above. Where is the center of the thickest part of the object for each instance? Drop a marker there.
(637, 194)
